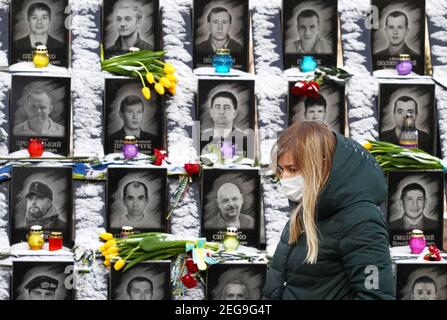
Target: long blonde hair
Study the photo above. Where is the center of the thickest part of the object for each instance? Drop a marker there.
(312, 147)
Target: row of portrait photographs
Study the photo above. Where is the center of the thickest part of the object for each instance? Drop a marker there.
(150, 280)
(40, 107)
(396, 100)
(136, 197)
(226, 112)
(128, 113)
(327, 109)
(415, 201)
(309, 27)
(421, 281)
(398, 28)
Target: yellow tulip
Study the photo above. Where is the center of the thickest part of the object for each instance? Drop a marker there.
(150, 77)
(109, 244)
(103, 248)
(172, 90)
(106, 236)
(104, 253)
(119, 264)
(107, 263)
(165, 82)
(112, 250)
(171, 78)
(146, 93)
(159, 88)
(110, 256)
(367, 146)
(169, 68)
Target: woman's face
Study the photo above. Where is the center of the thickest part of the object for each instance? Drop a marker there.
(287, 167)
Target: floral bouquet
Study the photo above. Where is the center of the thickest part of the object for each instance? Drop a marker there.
(145, 65)
(392, 157)
(311, 87)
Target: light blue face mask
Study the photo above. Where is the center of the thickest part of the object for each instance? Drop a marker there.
(293, 187)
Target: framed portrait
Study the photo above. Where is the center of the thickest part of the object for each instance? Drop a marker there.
(415, 201)
(235, 281)
(130, 23)
(40, 22)
(42, 280)
(128, 113)
(309, 28)
(40, 107)
(421, 281)
(221, 24)
(401, 31)
(226, 111)
(41, 196)
(230, 198)
(327, 109)
(136, 197)
(396, 100)
(145, 281)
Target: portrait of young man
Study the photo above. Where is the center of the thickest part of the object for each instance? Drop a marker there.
(421, 281)
(230, 198)
(39, 23)
(41, 196)
(130, 24)
(40, 107)
(221, 25)
(415, 201)
(401, 31)
(309, 28)
(148, 280)
(128, 113)
(399, 99)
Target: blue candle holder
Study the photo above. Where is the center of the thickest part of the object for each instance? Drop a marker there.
(308, 64)
(222, 61)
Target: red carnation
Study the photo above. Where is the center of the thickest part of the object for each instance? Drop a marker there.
(189, 281)
(300, 88)
(191, 266)
(192, 169)
(313, 90)
(160, 155)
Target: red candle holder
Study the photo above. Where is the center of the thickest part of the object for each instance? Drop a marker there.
(55, 241)
(35, 147)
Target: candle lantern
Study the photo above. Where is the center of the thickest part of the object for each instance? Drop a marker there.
(35, 238)
(417, 241)
(35, 147)
(130, 147)
(41, 59)
(308, 64)
(55, 241)
(222, 61)
(404, 66)
(230, 240)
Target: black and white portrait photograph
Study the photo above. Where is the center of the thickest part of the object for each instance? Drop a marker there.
(136, 198)
(39, 22)
(40, 107)
(221, 24)
(327, 109)
(42, 280)
(145, 281)
(235, 281)
(415, 201)
(310, 28)
(421, 281)
(230, 198)
(226, 111)
(396, 100)
(401, 31)
(41, 196)
(128, 113)
(130, 23)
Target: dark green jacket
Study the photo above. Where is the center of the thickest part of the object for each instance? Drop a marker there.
(353, 237)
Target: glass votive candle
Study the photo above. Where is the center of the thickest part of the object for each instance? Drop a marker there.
(308, 64)
(55, 241)
(222, 61)
(130, 147)
(230, 240)
(404, 66)
(35, 147)
(417, 241)
(126, 231)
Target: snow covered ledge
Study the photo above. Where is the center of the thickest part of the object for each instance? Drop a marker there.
(362, 88)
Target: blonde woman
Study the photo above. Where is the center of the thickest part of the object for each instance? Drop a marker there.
(335, 245)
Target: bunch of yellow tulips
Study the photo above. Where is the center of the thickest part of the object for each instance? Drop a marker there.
(148, 67)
